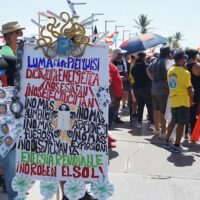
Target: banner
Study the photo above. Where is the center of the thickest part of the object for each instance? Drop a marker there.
(65, 124)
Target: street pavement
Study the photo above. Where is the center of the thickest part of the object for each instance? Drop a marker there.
(141, 169)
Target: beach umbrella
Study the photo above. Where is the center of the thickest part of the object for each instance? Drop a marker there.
(142, 42)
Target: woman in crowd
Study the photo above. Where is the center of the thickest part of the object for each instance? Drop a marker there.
(142, 88)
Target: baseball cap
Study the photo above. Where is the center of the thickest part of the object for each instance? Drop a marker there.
(179, 55)
(191, 53)
(116, 52)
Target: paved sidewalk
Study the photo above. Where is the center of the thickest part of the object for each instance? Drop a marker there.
(142, 170)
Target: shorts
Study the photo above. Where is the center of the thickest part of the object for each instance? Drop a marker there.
(126, 85)
(159, 103)
(181, 115)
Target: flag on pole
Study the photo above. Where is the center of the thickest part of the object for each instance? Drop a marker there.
(94, 33)
(71, 6)
(112, 38)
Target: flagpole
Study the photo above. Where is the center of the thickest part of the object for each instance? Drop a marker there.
(71, 6)
(108, 21)
(39, 20)
(116, 31)
(93, 15)
(124, 33)
(43, 14)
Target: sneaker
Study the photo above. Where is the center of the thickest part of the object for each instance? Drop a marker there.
(151, 126)
(139, 125)
(162, 136)
(118, 120)
(88, 196)
(185, 143)
(167, 145)
(179, 149)
(125, 109)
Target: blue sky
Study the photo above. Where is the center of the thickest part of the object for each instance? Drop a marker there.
(168, 16)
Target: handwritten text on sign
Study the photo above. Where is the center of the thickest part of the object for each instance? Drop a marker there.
(65, 121)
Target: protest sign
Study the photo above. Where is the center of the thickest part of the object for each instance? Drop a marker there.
(64, 92)
(65, 122)
(10, 127)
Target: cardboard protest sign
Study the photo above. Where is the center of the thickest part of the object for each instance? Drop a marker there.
(65, 123)
(64, 92)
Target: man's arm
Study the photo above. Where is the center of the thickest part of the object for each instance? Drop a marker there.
(191, 94)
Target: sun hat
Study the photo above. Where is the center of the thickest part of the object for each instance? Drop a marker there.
(11, 27)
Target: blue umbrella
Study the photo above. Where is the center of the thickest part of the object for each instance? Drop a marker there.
(142, 42)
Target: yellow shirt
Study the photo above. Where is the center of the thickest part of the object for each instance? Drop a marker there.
(179, 80)
(131, 78)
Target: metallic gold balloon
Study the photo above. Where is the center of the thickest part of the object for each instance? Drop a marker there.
(68, 29)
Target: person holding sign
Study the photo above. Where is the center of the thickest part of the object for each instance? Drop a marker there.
(11, 31)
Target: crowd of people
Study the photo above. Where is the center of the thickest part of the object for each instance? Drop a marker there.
(170, 77)
(135, 82)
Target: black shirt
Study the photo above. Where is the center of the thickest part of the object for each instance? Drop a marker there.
(140, 76)
(120, 66)
(195, 82)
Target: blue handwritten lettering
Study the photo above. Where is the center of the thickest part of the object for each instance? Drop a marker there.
(84, 64)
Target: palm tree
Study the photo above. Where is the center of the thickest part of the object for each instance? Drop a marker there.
(178, 36)
(143, 23)
(170, 40)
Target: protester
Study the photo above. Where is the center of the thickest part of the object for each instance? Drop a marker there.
(181, 97)
(142, 88)
(157, 72)
(194, 68)
(120, 63)
(126, 86)
(116, 91)
(132, 81)
(11, 31)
